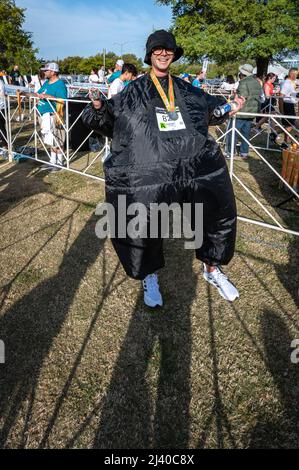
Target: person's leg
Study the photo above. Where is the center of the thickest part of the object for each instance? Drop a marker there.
(289, 110)
(215, 192)
(141, 257)
(245, 131)
(3, 135)
(59, 140)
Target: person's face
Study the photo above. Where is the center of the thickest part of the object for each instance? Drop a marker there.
(128, 76)
(162, 58)
(273, 79)
(49, 74)
(293, 75)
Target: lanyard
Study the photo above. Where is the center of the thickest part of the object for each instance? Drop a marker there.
(169, 103)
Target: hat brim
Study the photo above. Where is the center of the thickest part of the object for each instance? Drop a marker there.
(50, 70)
(245, 72)
(177, 55)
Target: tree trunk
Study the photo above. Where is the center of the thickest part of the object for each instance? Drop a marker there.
(262, 66)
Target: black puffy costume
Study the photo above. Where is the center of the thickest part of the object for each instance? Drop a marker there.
(180, 166)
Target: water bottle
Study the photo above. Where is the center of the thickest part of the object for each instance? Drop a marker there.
(225, 108)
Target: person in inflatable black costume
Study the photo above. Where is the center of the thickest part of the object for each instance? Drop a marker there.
(162, 153)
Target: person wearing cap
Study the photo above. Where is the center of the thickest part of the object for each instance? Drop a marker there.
(117, 72)
(162, 153)
(186, 77)
(50, 107)
(251, 89)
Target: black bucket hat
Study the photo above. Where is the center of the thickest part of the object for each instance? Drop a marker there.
(164, 39)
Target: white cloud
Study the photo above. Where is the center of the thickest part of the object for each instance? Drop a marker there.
(60, 30)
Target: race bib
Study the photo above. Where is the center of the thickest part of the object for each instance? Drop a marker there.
(166, 123)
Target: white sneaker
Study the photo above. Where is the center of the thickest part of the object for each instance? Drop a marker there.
(218, 279)
(152, 295)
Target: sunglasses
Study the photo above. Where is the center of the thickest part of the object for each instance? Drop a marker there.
(159, 50)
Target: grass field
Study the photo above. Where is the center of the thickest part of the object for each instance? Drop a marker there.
(88, 365)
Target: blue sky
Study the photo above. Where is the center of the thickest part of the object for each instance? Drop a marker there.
(75, 27)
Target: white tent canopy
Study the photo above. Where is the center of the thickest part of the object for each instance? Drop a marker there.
(278, 69)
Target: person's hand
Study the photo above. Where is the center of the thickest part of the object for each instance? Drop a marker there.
(94, 96)
(240, 100)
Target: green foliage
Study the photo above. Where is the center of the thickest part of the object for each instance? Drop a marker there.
(231, 30)
(84, 65)
(132, 59)
(16, 46)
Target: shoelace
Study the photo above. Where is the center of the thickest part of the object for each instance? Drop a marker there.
(151, 282)
(219, 277)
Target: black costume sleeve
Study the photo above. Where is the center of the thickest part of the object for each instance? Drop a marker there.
(100, 120)
(213, 102)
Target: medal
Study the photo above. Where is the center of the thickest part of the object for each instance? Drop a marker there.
(173, 115)
(169, 103)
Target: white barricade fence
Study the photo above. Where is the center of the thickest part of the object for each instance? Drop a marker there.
(26, 140)
(74, 162)
(76, 87)
(235, 132)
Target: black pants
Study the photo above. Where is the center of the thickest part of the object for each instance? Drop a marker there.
(143, 256)
(288, 110)
(3, 134)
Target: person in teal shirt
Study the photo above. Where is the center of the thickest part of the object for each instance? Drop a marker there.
(50, 117)
(118, 68)
(55, 89)
(199, 81)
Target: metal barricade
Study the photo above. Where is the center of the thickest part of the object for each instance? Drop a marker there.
(235, 132)
(90, 165)
(25, 138)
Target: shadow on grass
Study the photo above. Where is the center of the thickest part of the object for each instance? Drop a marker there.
(18, 185)
(29, 327)
(266, 179)
(155, 354)
(282, 432)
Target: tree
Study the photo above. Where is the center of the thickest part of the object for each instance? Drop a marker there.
(16, 46)
(69, 65)
(133, 59)
(231, 30)
(77, 64)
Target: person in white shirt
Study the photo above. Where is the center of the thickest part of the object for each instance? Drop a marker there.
(288, 99)
(229, 84)
(93, 77)
(37, 81)
(101, 74)
(128, 72)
